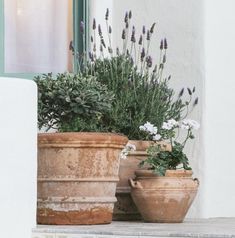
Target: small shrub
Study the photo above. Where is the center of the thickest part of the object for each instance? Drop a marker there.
(70, 102)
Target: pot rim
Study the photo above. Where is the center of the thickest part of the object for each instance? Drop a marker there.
(81, 139)
(145, 173)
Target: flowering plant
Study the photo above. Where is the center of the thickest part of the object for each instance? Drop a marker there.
(142, 92)
(159, 158)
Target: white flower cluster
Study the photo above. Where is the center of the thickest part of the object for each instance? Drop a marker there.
(190, 124)
(148, 127)
(151, 129)
(128, 148)
(170, 124)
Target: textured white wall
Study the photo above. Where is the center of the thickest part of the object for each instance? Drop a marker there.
(219, 113)
(181, 22)
(18, 159)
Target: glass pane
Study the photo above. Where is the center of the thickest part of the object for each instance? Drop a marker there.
(37, 36)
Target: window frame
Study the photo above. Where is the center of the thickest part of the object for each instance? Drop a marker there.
(80, 13)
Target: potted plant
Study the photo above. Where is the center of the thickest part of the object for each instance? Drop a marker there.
(142, 93)
(165, 189)
(77, 165)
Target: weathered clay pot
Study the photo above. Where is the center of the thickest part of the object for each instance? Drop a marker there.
(77, 177)
(125, 209)
(164, 199)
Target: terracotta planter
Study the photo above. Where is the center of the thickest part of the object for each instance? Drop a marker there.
(125, 209)
(164, 199)
(77, 177)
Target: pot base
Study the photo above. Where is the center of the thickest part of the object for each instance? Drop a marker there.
(84, 217)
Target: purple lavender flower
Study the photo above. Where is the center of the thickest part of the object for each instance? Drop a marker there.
(94, 24)
(148, 35)
(110, 29)
(130, 14)
(123, 34)
(140, 40)
(165, 44)
(133, 35)
(181, 92)
(126, 17)
(107, 14)
(99, 30)
(195, 102)
(142, 55)
(149, 61)
(164, 59)
(71, 46)
(91, 56)
(161, 45)
(117, 51)
(189, 91)
(101, 48)
(102, 42)
(152, 27)
(82, 27)
(155, 69)
(92, 39)
(110, 50)
(143, 30)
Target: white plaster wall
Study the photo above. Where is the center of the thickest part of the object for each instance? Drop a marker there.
(219, 113)
(182, 23)
(18, 160)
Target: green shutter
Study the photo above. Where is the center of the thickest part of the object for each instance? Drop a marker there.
(80, 13)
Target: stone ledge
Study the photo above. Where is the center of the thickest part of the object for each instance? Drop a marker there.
(201, 228)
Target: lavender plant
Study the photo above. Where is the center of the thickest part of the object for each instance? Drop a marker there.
(142, 91)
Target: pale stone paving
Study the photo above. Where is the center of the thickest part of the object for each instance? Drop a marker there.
(201, 228)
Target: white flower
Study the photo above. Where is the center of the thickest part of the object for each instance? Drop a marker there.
(142, 128)
(128, 148)
(148, 127)
(170, 124)
(190, 124)
(157, 137)
(173, 122)
(166, 126)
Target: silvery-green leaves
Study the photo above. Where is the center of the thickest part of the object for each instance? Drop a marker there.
(72, 103)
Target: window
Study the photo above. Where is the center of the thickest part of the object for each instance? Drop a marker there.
(35, 35)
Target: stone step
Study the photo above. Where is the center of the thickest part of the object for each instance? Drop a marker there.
(200, 228)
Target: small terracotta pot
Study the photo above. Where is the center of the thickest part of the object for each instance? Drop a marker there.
(125, 209)
(77, 177)
(164, 198)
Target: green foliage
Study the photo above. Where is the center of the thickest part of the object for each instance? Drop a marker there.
(142, 92)
(72, 103)
(137, 98)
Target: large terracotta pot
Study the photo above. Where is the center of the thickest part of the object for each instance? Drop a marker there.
(166, 198)
(77, 177)
(125, 209)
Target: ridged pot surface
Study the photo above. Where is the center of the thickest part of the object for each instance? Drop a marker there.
(77, 177)
(164, 199)
(125, 209)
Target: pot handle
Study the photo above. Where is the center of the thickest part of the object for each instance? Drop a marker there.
(135, 184)
(197, 181)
